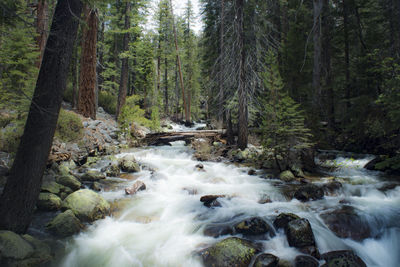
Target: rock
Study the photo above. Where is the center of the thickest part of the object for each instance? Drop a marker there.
(218, 229)
(266, 260)
(112, 170)
(254, 226)
(41, 255)
(129, 164)
(87, 205)
(65, 224)
(137, 186)
(13, 246)
(96, 186)
(199, 167)
(299, 233)
(309, 192)
(345, 223)
(91, 176)
(342, 258)
(265, 200)
(305, 261)
(371, 164)
(191, 191)
(283, 219)
(311, 250)
(287, 176)
(284, 263)
(52, 187)
(48, 202)
(297, 171)
(332, 187)
(229, 252)
(211, 200)
(69, 181)
(252, 172)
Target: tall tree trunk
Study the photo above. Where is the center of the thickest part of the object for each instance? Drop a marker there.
(123, 85)
(242, 90)
(87, 80)
(22, 189)
(100, 67)
(42, 26)
(317, 93)
(75, 75)
(166, 86)
(346, 52)
(177, 89)
(159, 64)
(221, 67)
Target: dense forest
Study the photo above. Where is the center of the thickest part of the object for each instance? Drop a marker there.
(290, 77)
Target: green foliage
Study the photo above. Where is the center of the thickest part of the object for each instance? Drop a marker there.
(155, 119)
(10, 136)
(69, 126)
(108, 102)
(390, 163)
(132, 113)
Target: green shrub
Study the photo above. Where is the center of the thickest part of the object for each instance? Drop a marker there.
(131, 112)
(10, 136)
(108, 102)
(155, 119)
(69, 126)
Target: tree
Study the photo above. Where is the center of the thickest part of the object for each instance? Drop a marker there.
(42, 26)
(87, 83)
(23, 186)
(317, 93)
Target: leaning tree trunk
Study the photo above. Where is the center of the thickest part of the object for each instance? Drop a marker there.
(88, 76)
(243, 116)
(42, 25)
(123, 85)
(22, 189)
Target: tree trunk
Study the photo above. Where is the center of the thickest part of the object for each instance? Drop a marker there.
(166, 86)
(221, 67)
(75, 75)
(87, 80)
(346, 52)
(22, 189)
(123, 85)
(100, 67)
(42, 26)
(242, 90)
(317, 11)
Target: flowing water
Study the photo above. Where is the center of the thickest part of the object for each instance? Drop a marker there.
(163, 226)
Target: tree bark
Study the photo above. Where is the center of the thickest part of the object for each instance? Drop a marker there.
(221, 68)
(87, 80)
(346, 52)
(75, 75)
(317, 11)
(42, 25)
(166, 86)
(123, 85)
(23, 186)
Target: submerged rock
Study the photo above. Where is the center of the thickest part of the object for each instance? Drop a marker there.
(92, 176)
(218, 229)
(229, 252)
(211, 200)
(87, 205)
(283, 219)
(69, 181)
(299, 233)
(254, 226)
(137, 186)
(266, 260)
(65, 224)
(342, 258)
(332, 187)
(309, 192)
(305, 261)
(129, 164)
(48, 202)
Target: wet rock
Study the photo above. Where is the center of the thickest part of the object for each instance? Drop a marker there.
(297, 171)
(191, 191)
(254, 226)
(388, 186)
(211, 200)
(283, 219)
(65, 224)
(199, 166)
(229, 252)
(311, 250)
(345, 223)
(371, 164)
(218, 229)
(266, 260)
(309, 192)
(52, 187)
(137, 186)
(87, 205)
(91, 176)
(342, 258)
(265, 200)
(332, 187)
(41, 254)
(129, 176)
(299, 233)
(69, 181)
(305, 261)
(159, 176)
(13, 246)
(48, 202)
(284, 263)
(129, 164)
(96, 186)
(287, 176)
(252, 172)
(112, 170)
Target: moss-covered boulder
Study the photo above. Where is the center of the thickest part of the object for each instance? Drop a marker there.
(128, 164)
(65, 224)
(229, 252)
(299, 233)
(309, 192)
(305, 261)
(42, 252)
(91, 176)
(287, 176)
(254, 226)
(283, 219)
(48, 202)
(342, 258)
(266, 260)
(13, 246)
(52, 187)
(112, 170)
(69, 181)
(87, 205)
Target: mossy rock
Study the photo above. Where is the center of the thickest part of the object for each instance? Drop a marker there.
(69, 181)
(299, 233)
(52, 187)
(65, 224)
(69, 126)
(266, 260)
(111, 170)
(48, 202)
(87, 205)
(283, 219)
(342, 258)
(13, 246)
(129, 164)
(287, 176)
(254, 226)
(92, 176)
(229, 252)
(309, 192)
(42, 253)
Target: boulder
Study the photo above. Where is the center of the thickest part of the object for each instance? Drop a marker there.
(283, 219)
(266, 260)
(69, 181)
(254, 226)
(252, 172)
(96, 186)
(345, 223)
(13, 246)
(129, 164)
(309, 192)
(137, 186)
(112, 170)
(287, 176)
(218, 229)
(211, 200)
(65, 224)
(87, 205)
(42, 252)
(299, 233)
(305, 261)
(229, 252)
(332, 187)
(91, 176)
(342, 258)
(52, 187)
(48, 202)
(297, 171)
